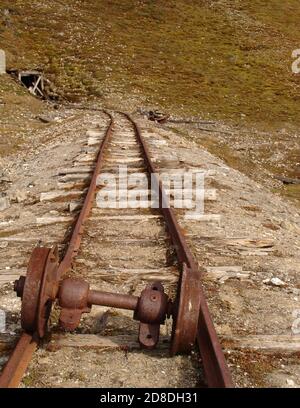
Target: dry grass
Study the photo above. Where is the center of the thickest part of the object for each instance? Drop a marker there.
(221, 58)
(224, 59)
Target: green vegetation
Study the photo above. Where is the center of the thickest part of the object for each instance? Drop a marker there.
(217, 58)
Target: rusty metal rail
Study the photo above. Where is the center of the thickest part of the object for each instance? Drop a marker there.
(18, 362)
(20, 358)
(44, 284)
(216, 370)
(84, 213)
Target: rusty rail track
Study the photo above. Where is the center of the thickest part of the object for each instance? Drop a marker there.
(191, 317)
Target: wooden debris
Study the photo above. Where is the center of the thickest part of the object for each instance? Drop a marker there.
(75, 205)
(252, 247)
(250, 242)
(223, 273)
(243, 246)
(182, 171)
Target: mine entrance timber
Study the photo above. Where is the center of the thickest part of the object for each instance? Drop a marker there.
(34, 81)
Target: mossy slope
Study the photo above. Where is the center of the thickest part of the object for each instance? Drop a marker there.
(218, 58)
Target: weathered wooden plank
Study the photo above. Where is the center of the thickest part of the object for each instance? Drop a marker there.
(115, 169)
(250, 242)
(137, 217)
(59, 195)
(209, 194)
(73, 177)
(20, 239)
(203, 217)
(92, 341)
(94, 133)
(123, 142)
(7, 278)
(52, 220)
(183, 170)
(165, 275)
(269, 343)
(75, 170)
(71, 185)
(126, 160)
(86, 158)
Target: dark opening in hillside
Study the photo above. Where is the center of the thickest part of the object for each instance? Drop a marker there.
(35, 82)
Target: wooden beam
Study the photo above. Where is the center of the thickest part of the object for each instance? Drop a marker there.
(266, 343)
(93, 341)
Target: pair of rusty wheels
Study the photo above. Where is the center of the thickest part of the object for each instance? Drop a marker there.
(38, 291)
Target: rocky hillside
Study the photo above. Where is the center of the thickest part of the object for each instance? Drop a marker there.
(228, 59)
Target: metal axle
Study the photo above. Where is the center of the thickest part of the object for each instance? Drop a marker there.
(74, 297)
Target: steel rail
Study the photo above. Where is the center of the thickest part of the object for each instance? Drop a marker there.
(21, 356)
(76, 237)
(18, 362)
(215, 367)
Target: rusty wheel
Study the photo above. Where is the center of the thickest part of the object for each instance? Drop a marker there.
(186, 312)
(37, 290)
(49, 287)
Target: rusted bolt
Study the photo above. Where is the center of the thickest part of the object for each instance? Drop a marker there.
(19, 286)
(153, 305)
